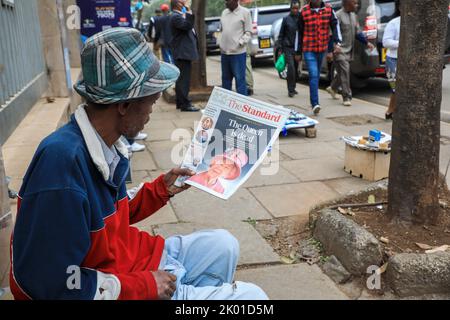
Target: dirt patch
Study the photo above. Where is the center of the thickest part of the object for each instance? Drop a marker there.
(284, 234)
(399, 238)
(357, 120)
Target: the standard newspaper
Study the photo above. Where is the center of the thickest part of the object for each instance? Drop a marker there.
(232, 138)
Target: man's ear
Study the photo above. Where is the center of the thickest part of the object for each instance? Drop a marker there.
(123, 108)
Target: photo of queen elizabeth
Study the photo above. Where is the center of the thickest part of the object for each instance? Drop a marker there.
(225, 166)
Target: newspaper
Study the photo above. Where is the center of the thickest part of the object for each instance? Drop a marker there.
(231, 140)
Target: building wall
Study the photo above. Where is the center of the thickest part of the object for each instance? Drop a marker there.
(23, 74)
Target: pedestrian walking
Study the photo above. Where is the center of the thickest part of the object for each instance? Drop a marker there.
(163, 34)
(184, 49)
(249, 72)
(236, 24)
(391, 40)
(153, 27)
(344, 54)
(288, 38)
(315, 20)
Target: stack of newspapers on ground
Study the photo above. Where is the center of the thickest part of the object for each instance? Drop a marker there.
(298, 120)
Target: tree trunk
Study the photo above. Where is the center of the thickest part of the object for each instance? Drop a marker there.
(414, 168)
(198, 75)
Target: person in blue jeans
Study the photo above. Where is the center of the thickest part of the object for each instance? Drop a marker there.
(236, 24)
(315, 21)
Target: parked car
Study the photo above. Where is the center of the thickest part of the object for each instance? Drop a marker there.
(373, 15)
(212, 29)
(261, 43)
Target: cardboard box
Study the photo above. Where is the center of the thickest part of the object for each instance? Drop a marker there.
(365, 164)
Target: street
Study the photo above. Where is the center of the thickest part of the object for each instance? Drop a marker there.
(377, 90)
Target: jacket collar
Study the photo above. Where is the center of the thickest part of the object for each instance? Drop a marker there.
(93, 143)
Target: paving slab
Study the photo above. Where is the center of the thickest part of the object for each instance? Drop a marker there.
(142, 161)
(195, 205)
(282, 176)
(185, 123)
(294, 136)
(330, 134)
(313, 150)
(163, 116)
(293, 282)
(364, 129)
(158, 124)
(344, 186)
(253, 248)
(293, 199)
(323, 168)
(158, 134)
(137, 177)
(162, 153)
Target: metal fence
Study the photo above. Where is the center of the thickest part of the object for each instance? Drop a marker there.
(21, 57)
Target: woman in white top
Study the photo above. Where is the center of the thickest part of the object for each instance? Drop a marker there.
(391, 39)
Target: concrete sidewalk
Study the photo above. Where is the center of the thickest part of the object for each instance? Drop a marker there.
(310, 172)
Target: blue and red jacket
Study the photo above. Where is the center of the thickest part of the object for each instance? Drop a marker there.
(72, 238)
(314, 28)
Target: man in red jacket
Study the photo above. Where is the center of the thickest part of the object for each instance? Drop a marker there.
(72, 238)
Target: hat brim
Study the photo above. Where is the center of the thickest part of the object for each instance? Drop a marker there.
(164, 79)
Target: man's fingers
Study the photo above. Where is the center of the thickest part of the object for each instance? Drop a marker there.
(182, 172)
(172, 277)
(172, 287)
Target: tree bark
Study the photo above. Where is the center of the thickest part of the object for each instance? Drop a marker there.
(414, 167)
(198, 75)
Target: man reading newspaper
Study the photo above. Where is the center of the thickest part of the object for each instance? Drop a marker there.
(72, 238)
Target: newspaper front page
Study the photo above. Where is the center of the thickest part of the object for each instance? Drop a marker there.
(231, 140)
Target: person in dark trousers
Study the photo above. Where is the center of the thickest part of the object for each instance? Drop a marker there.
(163, 34)
(236, 24)
(350, 31)
(289, 43)
(315, 20)
(153, 27)
(184, 50)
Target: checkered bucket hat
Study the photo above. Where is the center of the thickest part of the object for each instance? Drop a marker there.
(118, 65)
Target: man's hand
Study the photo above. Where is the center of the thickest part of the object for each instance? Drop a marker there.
(330, 57)
(370, 46)
(337, 49)
(298, 58)
(172, 176)
(165, 282)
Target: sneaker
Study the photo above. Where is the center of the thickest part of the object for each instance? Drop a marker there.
(332, 93)
(347, 103)
(316, 109)
(291, 94)
(141, 136)
(295, 92)
(136, 147)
